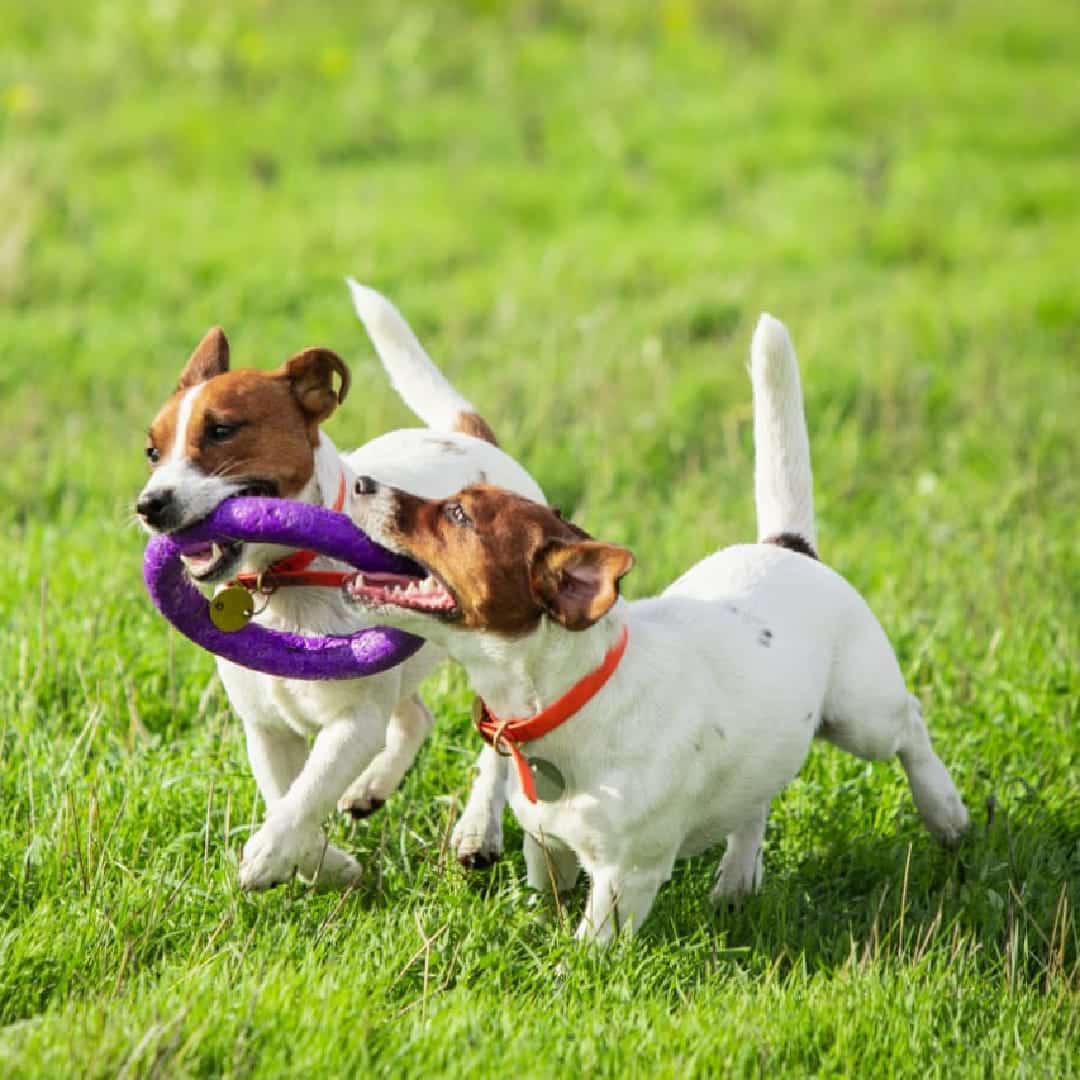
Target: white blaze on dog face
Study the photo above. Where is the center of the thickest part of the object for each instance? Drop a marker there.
(496, 562)
(224, 433)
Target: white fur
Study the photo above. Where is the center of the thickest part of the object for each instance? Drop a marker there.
(196, 494)
(783, 483)
(183, 422)
(369, 728)
(422, 386)
(727, 677)
(423, 462)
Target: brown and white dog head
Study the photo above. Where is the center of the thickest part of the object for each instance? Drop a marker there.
(495, 563)
(224, 433)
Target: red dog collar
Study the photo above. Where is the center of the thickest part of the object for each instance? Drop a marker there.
(525, 729)
(293, 569)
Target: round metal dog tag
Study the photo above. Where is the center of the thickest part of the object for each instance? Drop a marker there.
(549, 782)
(232, 609)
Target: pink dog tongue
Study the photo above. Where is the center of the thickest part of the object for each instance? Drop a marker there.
(201, 556)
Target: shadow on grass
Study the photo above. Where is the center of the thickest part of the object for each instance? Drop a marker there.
(830, 896)
(1009, 892)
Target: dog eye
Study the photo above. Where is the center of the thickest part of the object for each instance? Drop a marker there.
(221, 432)
(456, 513)
(153, 455)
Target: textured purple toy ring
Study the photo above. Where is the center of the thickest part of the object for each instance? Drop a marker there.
(294, 656)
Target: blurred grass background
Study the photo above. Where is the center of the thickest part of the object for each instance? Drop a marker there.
(581, 208)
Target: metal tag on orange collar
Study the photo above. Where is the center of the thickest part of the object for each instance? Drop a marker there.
(547, 779)
(232, 609)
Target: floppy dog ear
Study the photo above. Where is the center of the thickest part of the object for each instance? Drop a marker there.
(210, 358)
(311, 374)
(577, 583)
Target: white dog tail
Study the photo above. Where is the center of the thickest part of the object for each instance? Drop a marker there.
(413, 374)
(783, 482)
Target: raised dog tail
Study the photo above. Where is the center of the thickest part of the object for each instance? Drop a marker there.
(413, 374)
(783, 482)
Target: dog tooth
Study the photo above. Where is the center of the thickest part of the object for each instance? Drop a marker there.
(215, 552)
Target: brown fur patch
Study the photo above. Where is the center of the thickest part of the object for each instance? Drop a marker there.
(210, 358)
(162, 431)
(793, 542)
(311, 373)
(275, 439)
(274, 416)
(511, 562)
(578, 582)
(470, 423)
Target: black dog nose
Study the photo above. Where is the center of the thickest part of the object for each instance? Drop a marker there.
(365, 486)
(154, 506)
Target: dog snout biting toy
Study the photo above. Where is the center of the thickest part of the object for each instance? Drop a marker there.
(222, 625)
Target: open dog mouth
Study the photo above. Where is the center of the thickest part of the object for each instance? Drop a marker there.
(422, 592)
(213, 560)
(216, 561)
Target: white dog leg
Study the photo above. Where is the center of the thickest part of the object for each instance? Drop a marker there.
(936, 798)
(742, 867)
(291, 839)
(477, 840)
(409, 726)
(619, 902)
(870, 714)
(550, 867)
(276, 757)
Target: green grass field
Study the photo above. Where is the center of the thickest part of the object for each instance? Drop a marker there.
(582, 208)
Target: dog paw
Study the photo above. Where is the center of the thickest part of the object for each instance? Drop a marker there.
(275, 854)
(939, 803)
(736, 880)
(271, 857)
(588, 934)
(368, 792)
(950, 822)
(359, 806)
(476, 846)
(545, 907)
(338, 871)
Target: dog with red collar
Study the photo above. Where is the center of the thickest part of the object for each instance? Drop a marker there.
(643, 732)
(224, 433)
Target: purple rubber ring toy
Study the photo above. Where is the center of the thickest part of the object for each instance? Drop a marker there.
(275, 652)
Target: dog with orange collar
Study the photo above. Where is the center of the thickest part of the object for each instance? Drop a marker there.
(643, 732)
(225, 433)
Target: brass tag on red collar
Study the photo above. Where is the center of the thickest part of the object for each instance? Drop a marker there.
(232, 609)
